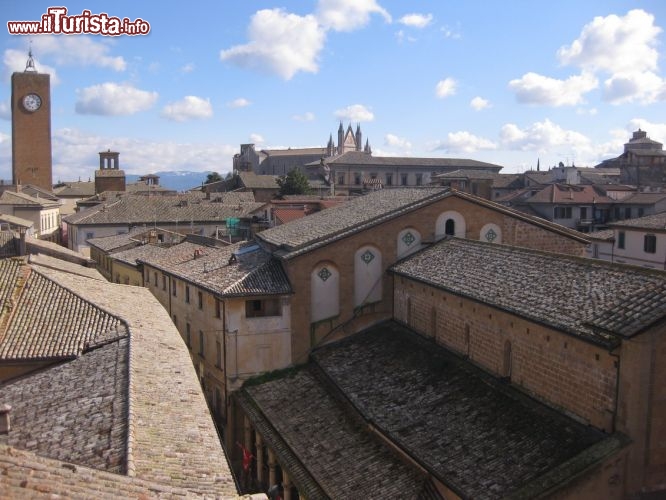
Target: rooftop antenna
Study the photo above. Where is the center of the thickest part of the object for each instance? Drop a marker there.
(30, 64)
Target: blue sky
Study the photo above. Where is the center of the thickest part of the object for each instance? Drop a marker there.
(508, 82)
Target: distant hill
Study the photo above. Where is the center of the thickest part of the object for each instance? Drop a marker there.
(180, 181)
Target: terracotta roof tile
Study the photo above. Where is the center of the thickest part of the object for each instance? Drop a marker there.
(482, 438)
(338, 455)
(568, 293)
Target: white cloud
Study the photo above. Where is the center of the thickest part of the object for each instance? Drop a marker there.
(280, 43)
(397, 142)
(416, 20)
(643, 87)
(348, 15)
(113, 99)
(75, 154)
(401, 37)
(15, 60)
(532, 88)
(256, 139)
(308, 116)
(479, 103)
(78, 50)
(187, 68)
(446, 88)
(542, 137)
(241, 102)
(615, 44)
(355, 113)
(453, 33)
(189, 108)
(464, 142)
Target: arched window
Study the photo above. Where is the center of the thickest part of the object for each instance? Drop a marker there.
(450, 227)
(324, 292)
(368, 274)
(450, 223)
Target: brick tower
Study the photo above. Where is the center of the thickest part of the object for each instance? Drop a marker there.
(31, 127)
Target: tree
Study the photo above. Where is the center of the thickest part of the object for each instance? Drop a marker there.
(295, 182)
(213, 177)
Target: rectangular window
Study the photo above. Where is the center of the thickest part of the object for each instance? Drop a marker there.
(641, 212)
(650, 243)
(595, 250)
(627, 212)
(562, 213)
(155, 278)
(218, 354)
(200, 299)
(620, 239)
(163, 282)
(341, 180)
(616, 211)
(357, 179)
(403, 179)
(262, 308)
(187, 294)
(89, 235)
(389, 179)
(583, 212)
(173, 287)
(201, 344)
(188, 336)
(218, 308)
(419, 179)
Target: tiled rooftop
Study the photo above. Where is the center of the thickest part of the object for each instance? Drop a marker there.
(482, 438)
(25, 200)
(79, 189)
(567, 293)
(339, 457)
(43, 320)
(107, 395)
(27, 475)
(153, 210)
(253, 181)
(361, 158)
(87, 427)
(336, 222)
(569, 194)
(656, 222)
(254, 271)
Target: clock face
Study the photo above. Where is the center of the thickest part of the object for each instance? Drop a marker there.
(32, 102)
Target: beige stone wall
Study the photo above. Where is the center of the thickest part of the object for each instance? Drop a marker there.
(125, 274)
(385, 237)
(557, 368)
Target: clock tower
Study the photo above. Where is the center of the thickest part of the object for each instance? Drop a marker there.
(31, 127)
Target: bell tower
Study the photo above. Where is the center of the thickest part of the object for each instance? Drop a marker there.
(31, 127)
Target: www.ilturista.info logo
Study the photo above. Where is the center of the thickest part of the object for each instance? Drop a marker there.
(57, 22)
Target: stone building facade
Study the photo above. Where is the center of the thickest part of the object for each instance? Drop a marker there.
(336, 259)
(568, 343)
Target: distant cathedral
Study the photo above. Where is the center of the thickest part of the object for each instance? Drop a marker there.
(281, 161)
(347, 141)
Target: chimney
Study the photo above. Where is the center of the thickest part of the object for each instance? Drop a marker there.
(4, 418)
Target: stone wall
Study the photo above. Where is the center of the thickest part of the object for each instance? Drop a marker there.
(567, 373)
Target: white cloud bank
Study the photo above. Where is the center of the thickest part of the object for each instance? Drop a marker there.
(113, 99)
(189, 108)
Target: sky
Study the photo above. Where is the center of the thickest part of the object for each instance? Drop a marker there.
(513, 83)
